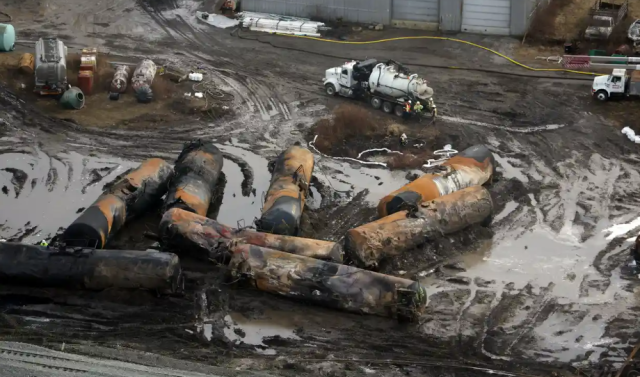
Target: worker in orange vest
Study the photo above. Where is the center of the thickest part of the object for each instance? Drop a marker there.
(407, 109)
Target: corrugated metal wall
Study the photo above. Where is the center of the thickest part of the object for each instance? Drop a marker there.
(383, 11)
(364, 11)
(415, 10)
(521, 14)
(450, 15)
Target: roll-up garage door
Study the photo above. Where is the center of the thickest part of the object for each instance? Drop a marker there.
(486, 16)
(415, 10)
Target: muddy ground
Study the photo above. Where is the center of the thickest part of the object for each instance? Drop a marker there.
(541, 291)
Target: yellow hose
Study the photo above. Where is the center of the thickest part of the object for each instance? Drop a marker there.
(452, 40)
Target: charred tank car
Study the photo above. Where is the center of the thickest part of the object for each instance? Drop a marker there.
(287, 193)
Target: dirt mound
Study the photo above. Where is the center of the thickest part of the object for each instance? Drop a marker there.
(353, 129)
(348, 122)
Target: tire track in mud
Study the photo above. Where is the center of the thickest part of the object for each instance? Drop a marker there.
(582, 309)
(256, 93)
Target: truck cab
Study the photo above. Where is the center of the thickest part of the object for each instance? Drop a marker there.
(615, 84)
(339, 80)
(349, 80)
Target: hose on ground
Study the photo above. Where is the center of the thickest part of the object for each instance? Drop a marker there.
(8, 16)
(210, 90)
(447, 39)
(257, 39)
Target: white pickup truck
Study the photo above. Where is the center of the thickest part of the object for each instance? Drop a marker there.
(617, 84)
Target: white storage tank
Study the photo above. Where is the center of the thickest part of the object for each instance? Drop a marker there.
(390, 81)
(7, 37)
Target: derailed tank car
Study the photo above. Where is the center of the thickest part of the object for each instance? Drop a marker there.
(473, 166)
(287, 193)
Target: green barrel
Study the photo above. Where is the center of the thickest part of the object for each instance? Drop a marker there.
(72, 99)
(7, 37)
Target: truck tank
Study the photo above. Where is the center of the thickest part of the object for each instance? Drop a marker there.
(50, 66)
(394, 81)
(142, 80)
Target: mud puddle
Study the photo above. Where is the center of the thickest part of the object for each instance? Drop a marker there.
(349, 179)
(42, 193)
(244, 192)
(549, 285)
(240, 329)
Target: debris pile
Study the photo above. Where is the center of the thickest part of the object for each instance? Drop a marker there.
(272, 23)
(272, 258)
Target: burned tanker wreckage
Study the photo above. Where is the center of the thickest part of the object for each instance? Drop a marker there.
(271, 257)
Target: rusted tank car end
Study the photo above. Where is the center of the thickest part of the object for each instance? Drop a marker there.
(403, 231)
(97, 224)
(328, 284)
(287, 193)
(201, 237)
(196, 173)
(145, 186)
(89, 268)
(473, 166)
(128, 197)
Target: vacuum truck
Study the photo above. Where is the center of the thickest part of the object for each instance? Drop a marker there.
(387, 86)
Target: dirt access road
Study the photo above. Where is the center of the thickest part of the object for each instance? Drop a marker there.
(542, 289)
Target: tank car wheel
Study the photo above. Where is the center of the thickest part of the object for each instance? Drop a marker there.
(387, 107)
(376, 103)
(399, 110)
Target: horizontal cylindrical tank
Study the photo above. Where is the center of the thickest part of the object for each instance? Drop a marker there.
(7, 37)
(287, 193)
(130, 196)
(142, 79)
(120, 79)
(402, 231)
(91, 269)
(196, 173)
(328, 284)
(389, 80)
(473, 166)
(27, 64)
(207, 239)
(72, 99)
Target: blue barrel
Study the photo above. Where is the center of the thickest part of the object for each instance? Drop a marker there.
(7, 37)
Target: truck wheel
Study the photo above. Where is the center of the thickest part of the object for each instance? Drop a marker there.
(601, 95)
(376, 103)
(399, 110)
(387, 107)
(331, 89)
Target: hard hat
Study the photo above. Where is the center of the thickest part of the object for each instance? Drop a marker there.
(409, 101)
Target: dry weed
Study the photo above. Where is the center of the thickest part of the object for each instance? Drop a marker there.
(348, 121)
(162, 87)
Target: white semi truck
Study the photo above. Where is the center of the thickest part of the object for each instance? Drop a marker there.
(618, 84)
(387, 86)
